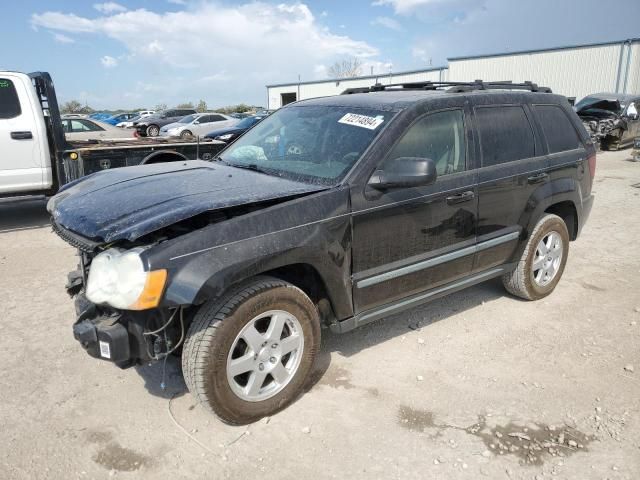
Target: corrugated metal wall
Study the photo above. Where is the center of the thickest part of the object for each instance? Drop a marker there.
(336, 87)
(574, 72)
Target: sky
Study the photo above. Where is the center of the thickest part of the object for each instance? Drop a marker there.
(141, 53)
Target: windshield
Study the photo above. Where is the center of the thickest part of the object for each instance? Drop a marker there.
(313, 144)
(188, 119)
(247, 122)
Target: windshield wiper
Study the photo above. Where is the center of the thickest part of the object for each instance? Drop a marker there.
(249, 166)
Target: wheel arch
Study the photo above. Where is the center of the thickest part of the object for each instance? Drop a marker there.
(162, 156)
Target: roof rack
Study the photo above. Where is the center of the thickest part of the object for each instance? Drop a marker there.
(455, 87)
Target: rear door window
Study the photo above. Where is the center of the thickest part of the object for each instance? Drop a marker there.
(505, 134)
(557, 128)
(9, 102)
(217, 118)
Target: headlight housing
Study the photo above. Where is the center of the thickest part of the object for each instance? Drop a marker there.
(226, 136)
(117, 277)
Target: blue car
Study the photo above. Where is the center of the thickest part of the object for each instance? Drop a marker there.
(229, 134)
(100, 116)
(121, 117)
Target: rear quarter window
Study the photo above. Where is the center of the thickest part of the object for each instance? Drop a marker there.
(505, 134)
(557, 128)
(9, 102)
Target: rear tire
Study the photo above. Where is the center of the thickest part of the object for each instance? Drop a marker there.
(543, 260)
(186, 134)
(153, 131)
(237, 363)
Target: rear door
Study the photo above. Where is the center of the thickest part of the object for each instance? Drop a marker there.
(22, 160)
(513, 166)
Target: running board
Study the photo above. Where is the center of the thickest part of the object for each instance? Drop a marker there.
(411, 302)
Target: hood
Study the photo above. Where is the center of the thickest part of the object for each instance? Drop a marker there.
(127, 203)
(224, 131)
(172, 125)
(609, 104)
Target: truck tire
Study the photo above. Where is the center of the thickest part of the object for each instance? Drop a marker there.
(153, 131)
(542, 262)
(248, 354)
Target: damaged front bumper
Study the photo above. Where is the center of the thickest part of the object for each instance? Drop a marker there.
(110, 335)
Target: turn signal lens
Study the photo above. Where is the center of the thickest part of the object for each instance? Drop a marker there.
(152, 291)
(73, 156)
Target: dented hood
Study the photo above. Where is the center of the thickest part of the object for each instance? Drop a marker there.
(127, 203)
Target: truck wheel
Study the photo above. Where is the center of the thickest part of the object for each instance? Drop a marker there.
(542, 262)
(248, 354)
(186, 134)
(153, 131)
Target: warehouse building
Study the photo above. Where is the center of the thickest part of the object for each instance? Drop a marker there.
(574, 71)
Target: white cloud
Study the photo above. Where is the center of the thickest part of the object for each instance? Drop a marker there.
(406, 6)
(387, 22)
(108, 62)
(60, 38)
(254, 44)
(109, 7)
(177, 2)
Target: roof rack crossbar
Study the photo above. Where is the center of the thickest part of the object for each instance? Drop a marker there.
(455, 87)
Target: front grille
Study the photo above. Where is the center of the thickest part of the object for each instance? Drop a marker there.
(73, 239)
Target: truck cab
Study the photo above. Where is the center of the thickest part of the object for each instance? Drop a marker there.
(25, 163)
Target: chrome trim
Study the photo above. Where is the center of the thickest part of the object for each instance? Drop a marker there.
(432, 262)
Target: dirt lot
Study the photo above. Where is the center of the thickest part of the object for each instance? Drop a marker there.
(476, 385)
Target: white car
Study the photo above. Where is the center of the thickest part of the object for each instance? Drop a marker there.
(198, 124)
(129, 123)
(87, 129)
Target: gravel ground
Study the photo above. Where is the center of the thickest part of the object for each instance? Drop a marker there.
(475, 385)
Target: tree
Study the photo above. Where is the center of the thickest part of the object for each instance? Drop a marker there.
(160, 106)
(346, 69)
(185, 105)
(202, 106)
(72, 106)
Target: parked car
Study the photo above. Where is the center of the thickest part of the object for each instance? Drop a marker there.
(197, 124)
(612, 119)
(87, 129)
(239, 115)
(333, 211)
(74, 115)
(100, 116)
(121, 117)
(150, 126)
(129, 123)
(146, 113)
(229, 134)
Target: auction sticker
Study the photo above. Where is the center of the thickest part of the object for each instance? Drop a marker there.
(363, 121)
(105, 350)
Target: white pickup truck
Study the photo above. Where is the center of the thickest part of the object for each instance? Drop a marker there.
(35, 157)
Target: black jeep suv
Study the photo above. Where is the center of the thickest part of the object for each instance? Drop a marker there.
(334, 211)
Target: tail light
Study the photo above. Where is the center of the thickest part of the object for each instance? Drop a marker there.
(592, 164)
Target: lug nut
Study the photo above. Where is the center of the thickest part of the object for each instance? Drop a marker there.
(261, 366)
(275, 345)
(272, 359)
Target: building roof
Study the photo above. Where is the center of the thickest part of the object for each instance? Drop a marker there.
(542, 50)
(364, 77)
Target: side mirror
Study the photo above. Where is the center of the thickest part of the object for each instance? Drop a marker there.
(405, 172)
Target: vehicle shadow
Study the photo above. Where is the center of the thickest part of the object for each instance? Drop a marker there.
(23, 214)
(417, 318)
(347, 344)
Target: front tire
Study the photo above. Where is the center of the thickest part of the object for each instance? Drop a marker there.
(186, 134)
(248, 354)
(153, 131)
(543, 260)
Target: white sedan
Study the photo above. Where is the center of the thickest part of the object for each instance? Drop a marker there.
(87, 129)
(198, 124)
(129, 123)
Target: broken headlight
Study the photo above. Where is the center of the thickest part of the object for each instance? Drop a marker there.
(118, 278)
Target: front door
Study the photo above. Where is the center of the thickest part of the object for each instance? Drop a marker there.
(21, 157)
(408, 240)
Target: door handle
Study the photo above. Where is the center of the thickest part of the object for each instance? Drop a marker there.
(21, 135)
(460, 197)
(538, 178)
